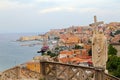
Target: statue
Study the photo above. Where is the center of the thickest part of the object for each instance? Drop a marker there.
(99, 50)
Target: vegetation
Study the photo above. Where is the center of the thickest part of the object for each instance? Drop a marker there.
(111, 50)
(78, 47)
(89, 41)
(52, 54)
(90, 52)
(117, 32)
(43, 50)
(56, 38)
(56, 48)
(113, 64)
(111, 34)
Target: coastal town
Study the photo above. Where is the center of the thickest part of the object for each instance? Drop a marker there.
(72, 46)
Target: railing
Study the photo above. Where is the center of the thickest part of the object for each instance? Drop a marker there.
(57, 71)
(110, 77)
(60, 71)
(18, 73)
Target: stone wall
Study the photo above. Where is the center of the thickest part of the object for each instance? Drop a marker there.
(19, 73)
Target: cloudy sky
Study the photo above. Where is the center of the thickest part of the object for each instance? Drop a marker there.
(42, 15)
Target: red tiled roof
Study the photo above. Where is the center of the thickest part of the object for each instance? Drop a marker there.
(66, 52)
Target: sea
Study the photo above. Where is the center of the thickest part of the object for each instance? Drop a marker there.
(11, 51)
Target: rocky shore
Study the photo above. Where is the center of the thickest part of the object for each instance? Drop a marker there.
(29, 38)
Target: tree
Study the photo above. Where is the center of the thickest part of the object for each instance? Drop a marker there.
(78, 47)
(51, 54)
(111, 50)
(117, 73)
(43, 50)
(56, 38)
(117, 32)
(113, 65)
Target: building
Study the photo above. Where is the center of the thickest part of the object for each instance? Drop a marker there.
(75, 56)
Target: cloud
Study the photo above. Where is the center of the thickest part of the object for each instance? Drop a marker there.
(71, 2)
(22, 14)
(71, 9)
(80, 6)
(5, 5)
(51, 0)
(56, 9)
(66, 6)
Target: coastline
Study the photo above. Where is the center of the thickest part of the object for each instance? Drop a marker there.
(12, 53)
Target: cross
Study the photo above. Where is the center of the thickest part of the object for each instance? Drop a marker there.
(95, 24)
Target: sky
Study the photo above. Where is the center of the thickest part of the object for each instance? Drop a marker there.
(19, 16)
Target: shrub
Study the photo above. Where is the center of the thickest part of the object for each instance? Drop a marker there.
(111, 50)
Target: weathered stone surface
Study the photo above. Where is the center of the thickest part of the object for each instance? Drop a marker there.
(19, 73)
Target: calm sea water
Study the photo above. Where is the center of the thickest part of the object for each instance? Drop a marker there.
(11, 53)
